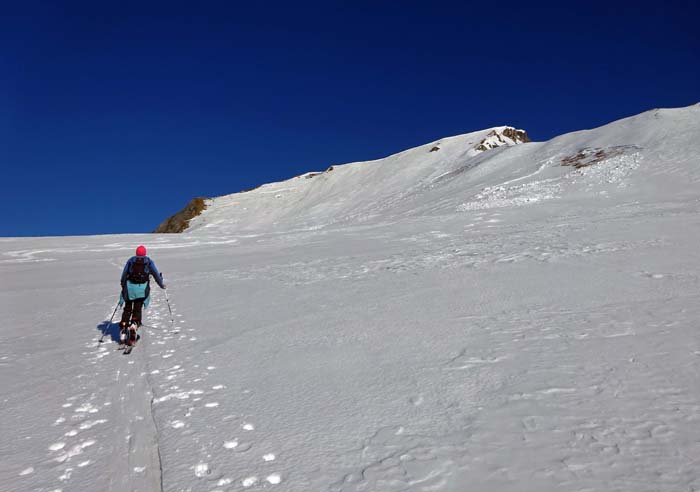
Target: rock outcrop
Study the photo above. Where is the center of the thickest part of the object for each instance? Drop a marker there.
(500, 137)
(181, 220)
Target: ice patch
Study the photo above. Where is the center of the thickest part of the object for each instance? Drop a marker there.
(269, 457)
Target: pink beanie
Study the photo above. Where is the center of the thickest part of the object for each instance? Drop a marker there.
(141, 251)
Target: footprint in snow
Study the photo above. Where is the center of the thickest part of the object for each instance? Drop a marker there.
(91, 423)
(416, 400)
(75, 450)
(238, 446)
(201, 470)
(274, 479)
(248, 427)
(269, 457)
(250, 481)
(87, 408)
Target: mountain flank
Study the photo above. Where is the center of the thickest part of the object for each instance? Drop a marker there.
(504, 136)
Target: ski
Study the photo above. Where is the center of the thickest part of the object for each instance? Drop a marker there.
(122, 339)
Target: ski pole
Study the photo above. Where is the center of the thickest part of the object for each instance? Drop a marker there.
(110, 322)
(172, 321)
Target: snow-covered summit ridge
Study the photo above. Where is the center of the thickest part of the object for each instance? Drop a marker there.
(650, 153)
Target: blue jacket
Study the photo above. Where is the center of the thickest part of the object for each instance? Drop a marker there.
(131, 291)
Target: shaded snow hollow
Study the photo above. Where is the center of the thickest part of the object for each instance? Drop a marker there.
(523, 318)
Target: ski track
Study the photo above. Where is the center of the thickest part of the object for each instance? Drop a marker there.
(109, 425)
(146, 404)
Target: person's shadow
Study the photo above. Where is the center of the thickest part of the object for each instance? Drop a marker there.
(109, 329)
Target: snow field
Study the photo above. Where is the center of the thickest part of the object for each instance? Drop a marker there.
(466, 321)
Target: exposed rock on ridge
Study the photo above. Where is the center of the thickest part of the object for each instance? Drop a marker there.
(500, 137)
(181, 220)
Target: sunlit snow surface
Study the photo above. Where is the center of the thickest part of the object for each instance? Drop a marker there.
(434, 321)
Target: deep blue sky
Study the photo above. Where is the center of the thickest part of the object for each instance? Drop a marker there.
(114, 114)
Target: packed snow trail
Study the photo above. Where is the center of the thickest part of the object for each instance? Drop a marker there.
(98, 418)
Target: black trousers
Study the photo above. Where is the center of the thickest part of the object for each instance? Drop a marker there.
(132, 311)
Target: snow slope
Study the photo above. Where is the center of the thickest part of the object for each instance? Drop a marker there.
(434, 321)
(348, 193)
(457, 177)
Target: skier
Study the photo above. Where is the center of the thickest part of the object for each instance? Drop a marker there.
(135, 292)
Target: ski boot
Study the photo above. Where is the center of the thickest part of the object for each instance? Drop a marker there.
(132, 336)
